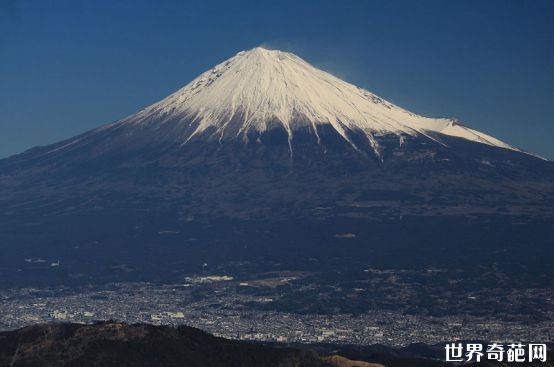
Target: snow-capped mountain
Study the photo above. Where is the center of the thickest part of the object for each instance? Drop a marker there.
(266, 153)
(260, 93)
(274, 102)
(260, 89)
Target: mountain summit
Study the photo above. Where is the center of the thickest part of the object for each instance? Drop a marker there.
(259, 90)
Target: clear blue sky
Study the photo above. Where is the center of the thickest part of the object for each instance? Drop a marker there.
(67, 66)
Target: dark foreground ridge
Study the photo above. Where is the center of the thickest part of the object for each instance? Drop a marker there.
(118, 344)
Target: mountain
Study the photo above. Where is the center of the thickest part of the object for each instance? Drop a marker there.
(260, 90)
(116, 344)
(266, 157)
(119, 344)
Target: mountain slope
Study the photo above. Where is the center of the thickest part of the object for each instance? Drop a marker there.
(116, 344)
(119, 344)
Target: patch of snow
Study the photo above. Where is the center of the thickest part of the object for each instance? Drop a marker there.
(345, 235)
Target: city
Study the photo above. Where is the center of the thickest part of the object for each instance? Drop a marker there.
(223, 309)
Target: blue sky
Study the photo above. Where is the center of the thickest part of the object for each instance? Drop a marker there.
(67, 66)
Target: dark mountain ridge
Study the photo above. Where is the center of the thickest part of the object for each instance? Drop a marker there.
(118, 344)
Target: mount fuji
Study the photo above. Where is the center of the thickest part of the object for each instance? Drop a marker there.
(266, 156)
(260, 90)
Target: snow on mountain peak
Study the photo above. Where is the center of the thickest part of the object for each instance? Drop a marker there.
(260, 89)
